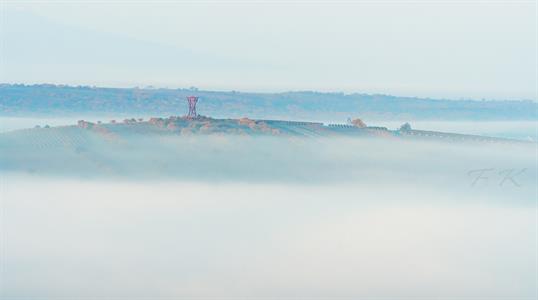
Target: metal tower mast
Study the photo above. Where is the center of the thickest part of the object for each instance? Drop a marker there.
(192, 106)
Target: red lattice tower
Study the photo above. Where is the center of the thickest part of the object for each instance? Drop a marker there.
(192, 106)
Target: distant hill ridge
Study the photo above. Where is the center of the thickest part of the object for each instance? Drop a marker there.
(48, 99)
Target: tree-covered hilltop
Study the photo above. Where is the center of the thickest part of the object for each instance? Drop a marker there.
(47, 99)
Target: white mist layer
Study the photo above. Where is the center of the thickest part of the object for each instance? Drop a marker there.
(268, 217)
(68, 238)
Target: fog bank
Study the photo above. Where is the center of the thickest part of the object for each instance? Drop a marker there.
(100, 239)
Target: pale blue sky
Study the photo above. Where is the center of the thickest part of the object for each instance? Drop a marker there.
(450, 49)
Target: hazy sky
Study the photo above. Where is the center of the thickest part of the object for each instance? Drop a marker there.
(425, 48)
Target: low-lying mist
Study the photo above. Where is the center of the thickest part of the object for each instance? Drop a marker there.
(73, 238)
(265, 159)
(236, 216)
